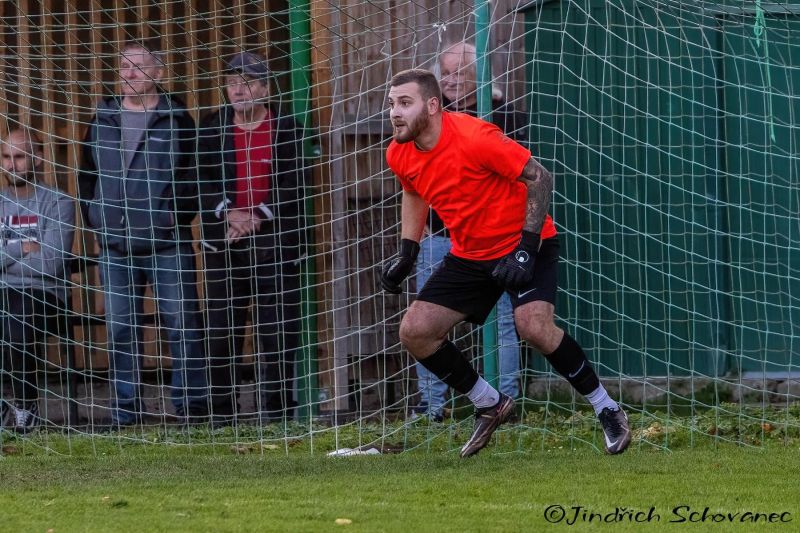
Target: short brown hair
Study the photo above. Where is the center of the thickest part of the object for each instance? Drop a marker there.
(428, 84)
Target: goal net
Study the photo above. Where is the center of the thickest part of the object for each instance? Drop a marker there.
(130, 316)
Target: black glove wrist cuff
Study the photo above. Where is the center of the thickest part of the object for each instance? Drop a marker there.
(530, 240)
(409, 248)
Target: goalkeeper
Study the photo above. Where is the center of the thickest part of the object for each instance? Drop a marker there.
(493, 198)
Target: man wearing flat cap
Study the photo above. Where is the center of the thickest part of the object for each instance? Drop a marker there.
(251, 187)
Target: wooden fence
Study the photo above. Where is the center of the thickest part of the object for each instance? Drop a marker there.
(58, 57)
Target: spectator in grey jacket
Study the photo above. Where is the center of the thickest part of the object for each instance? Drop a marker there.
(138, 192)
(36, 231)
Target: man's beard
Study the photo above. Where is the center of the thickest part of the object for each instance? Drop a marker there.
(413, 128)
(17, 180)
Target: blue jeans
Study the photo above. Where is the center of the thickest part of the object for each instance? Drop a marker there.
(171, 272)
(432, 391)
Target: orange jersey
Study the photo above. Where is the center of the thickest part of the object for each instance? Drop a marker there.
(471, 179)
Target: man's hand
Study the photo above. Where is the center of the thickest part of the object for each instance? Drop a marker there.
(398, 268)
(30, 246)
(242, 222)
(515, 270)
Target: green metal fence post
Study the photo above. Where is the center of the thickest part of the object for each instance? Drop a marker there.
(484, 82)
(300, 64)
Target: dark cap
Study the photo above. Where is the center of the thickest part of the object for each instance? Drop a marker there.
(250, 64)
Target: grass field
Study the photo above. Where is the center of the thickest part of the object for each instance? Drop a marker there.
(169, 490)
(259, 482)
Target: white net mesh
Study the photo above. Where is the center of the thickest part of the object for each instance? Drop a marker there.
(670, 127)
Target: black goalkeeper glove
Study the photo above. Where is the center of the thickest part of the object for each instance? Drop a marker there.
(515, 270)
(398, 268)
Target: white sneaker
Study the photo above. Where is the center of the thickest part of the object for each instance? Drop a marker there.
(25, 420)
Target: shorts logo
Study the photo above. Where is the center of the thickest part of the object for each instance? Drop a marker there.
(523, 294)
(522, 256)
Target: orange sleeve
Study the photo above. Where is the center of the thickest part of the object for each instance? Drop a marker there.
(405, 184)
(395, 166)
(498, 153)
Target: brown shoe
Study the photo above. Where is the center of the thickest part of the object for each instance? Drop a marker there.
(486, 421)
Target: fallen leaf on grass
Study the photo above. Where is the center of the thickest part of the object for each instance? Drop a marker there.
(343, 522)
(653, 431)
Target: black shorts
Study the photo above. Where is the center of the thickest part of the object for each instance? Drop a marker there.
(468, 287)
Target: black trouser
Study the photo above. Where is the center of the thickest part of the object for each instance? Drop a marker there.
(27, 316)
(235, 282)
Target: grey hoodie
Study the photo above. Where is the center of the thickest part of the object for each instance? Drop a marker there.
(48, 217)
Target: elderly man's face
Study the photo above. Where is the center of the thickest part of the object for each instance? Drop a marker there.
(139, 72)
(244, 92)
(17, 159)
(458, 79)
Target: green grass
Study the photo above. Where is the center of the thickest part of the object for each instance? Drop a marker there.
(731, 459)
(169, 488)
(542, 428)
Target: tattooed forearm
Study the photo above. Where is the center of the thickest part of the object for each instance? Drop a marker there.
(540, 189)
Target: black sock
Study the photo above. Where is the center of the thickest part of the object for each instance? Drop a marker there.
(570, 361)
(449, 365)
